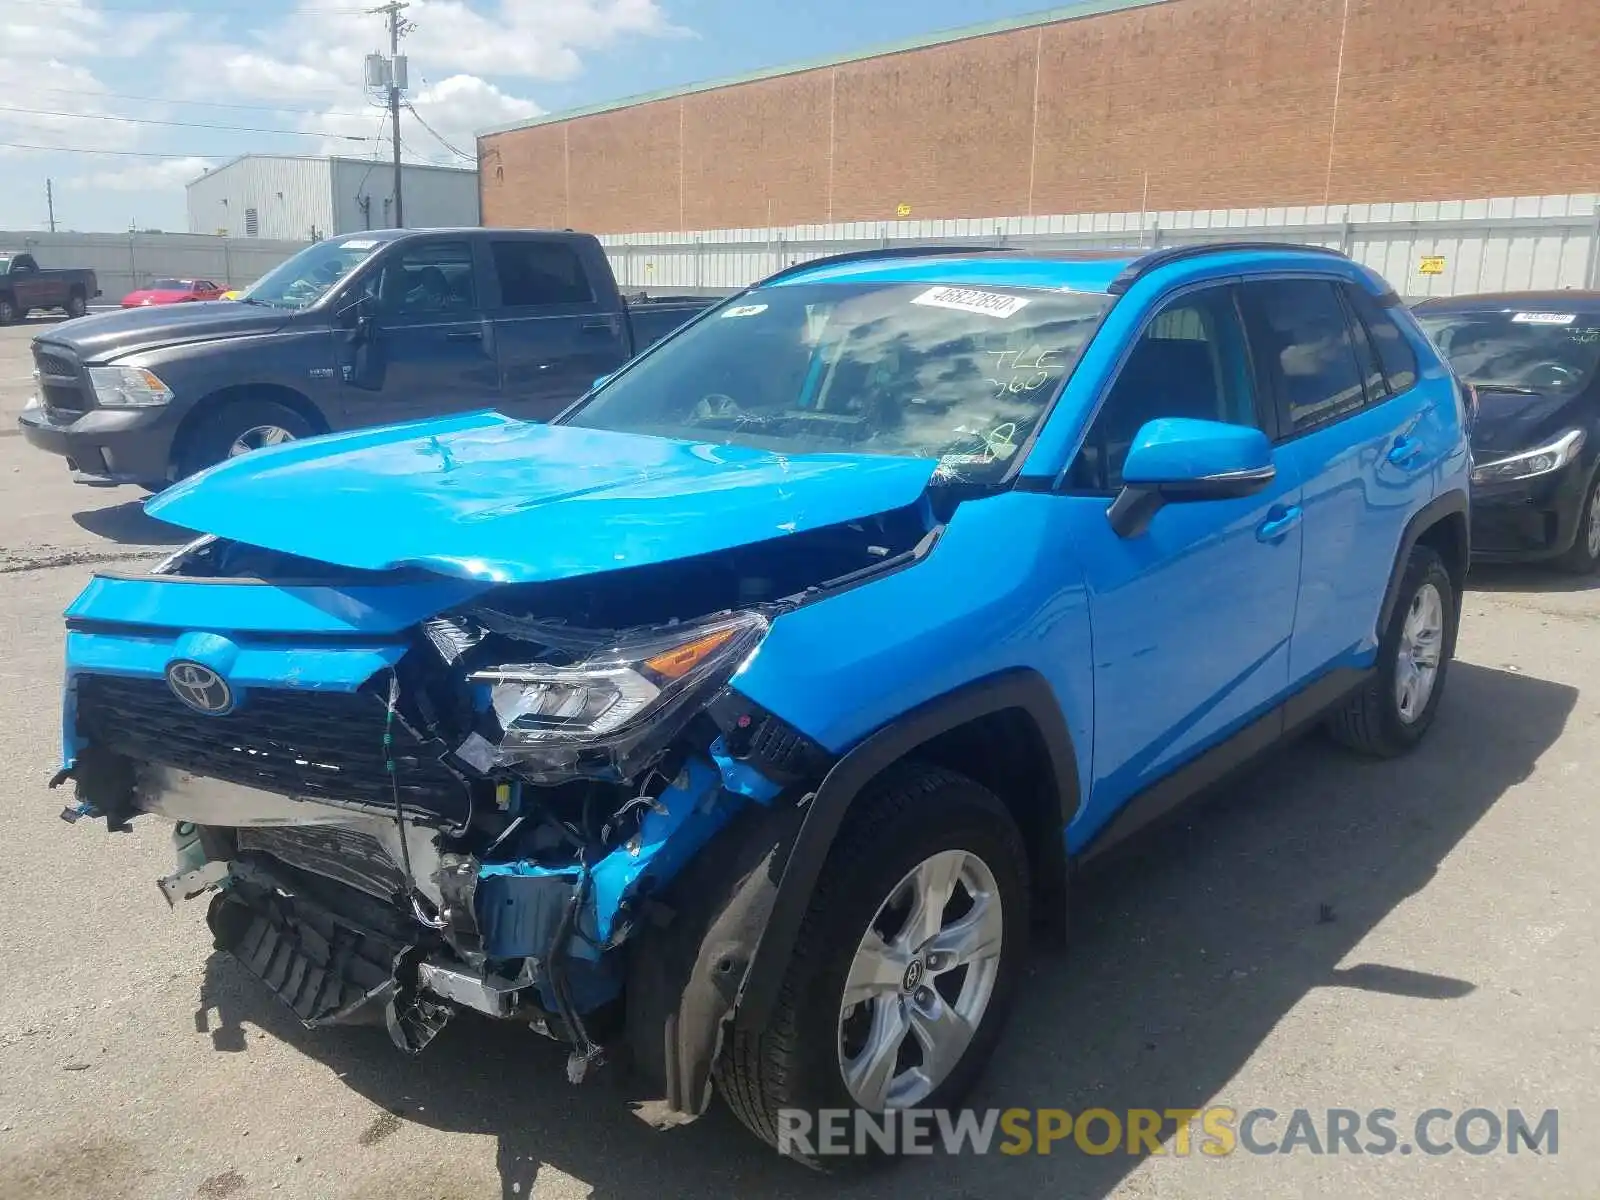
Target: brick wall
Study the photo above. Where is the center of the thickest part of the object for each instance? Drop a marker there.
(1183, 104)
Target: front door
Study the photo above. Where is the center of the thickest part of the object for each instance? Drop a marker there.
(1192, 618)
(431, 348)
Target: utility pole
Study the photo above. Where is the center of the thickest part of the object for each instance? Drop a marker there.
(396, 28)
(50, 201)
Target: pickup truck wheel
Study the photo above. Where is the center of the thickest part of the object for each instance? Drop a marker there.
(1393, 711)
(77, 305)
(8, 310)
(239, 428)
(904, 969)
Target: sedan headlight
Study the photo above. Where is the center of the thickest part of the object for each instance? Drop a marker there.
(1539, 461)
(618, 706)
(128, 387)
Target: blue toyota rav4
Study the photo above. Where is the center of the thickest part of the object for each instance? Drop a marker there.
(747, 715)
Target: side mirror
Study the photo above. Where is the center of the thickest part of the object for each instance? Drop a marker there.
(1178, 459)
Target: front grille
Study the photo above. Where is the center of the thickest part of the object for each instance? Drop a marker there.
(310, 745)
(54, 364)
(60, 384)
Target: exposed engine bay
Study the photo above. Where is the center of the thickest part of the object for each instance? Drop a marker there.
(488, 818)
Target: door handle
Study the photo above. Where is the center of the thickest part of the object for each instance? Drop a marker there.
(1279, 522)
(1405, 451)
(465, 335)
(608, 324)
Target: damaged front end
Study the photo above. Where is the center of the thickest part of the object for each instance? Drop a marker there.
(409, 795)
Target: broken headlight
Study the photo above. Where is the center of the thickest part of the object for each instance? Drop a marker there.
(612, 712)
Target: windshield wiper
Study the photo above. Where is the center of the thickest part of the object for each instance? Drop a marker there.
(1512, 389)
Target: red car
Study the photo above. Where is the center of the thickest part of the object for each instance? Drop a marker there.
(173, 291)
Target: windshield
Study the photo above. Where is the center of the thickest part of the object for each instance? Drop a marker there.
(926, 371)
(301, 281)
(1526, 351)
(168, 285)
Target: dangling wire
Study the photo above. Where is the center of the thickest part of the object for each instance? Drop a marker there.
(399, 807)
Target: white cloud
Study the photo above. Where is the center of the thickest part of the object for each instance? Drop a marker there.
(161, 175)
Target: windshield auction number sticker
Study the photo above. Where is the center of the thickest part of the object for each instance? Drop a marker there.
(990, 304)
(1543, 318)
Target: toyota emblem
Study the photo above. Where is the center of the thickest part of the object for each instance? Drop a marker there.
(201, 688)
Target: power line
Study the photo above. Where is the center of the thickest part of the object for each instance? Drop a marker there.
(187, 103)
(438, 137)
(92, 150)
(41, 112)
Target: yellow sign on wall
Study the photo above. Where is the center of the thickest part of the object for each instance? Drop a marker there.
(1432, 264)
(903, 210)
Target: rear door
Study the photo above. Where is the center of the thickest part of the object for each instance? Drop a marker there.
(555, 332)
(31, 289)
(433, 347)
(1354, 423)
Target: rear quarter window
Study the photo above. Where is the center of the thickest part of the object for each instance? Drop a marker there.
(1398, 359)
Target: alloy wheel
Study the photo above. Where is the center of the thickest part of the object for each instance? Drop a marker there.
(258, 437)
(1421, 644)
(920, 982)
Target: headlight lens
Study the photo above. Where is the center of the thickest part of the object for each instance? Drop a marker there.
(128, 387)
(621, 703)
(1539, 461)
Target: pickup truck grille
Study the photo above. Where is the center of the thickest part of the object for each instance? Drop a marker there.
(311, 745)
(62, 385)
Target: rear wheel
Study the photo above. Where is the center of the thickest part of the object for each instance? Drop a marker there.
(1584, 556)
(905, 966)
(77, 305)
(239, 428)
(1393, 711)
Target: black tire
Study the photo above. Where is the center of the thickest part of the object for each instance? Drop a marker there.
(912, 812)
(1579, 558)
(77, 305)
(8, 310)
(1370, 721)
(22, 314)
(213, 440)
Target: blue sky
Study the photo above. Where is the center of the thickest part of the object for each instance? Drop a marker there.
(98, 75)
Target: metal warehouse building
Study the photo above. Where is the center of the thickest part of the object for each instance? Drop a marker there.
(302, 198)
(1106, 106)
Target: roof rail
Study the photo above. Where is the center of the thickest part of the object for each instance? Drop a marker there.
(1141, 267)
(917, 251)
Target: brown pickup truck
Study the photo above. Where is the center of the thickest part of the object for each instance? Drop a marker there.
(24, 287)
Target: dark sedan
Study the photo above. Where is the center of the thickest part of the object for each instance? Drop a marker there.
(1534, 359)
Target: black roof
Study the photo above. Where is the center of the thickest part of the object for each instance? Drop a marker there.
(1561, 300)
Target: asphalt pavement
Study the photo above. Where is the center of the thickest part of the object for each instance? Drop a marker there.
(1327, 933)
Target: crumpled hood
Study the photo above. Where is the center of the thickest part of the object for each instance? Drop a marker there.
(487, 497)
(101, 337)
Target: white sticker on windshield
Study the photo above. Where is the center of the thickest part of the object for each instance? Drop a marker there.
(744, 310)
(1545, 318)
(990, 304)
(359, 244)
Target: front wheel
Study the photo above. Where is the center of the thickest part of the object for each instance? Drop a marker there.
(903, 972)
(1392, 712)
(239, 428)
(8, 310)
(1584, 556)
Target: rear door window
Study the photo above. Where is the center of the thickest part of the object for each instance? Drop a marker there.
(1398, 359)
(1305, 339)
(540, 274)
